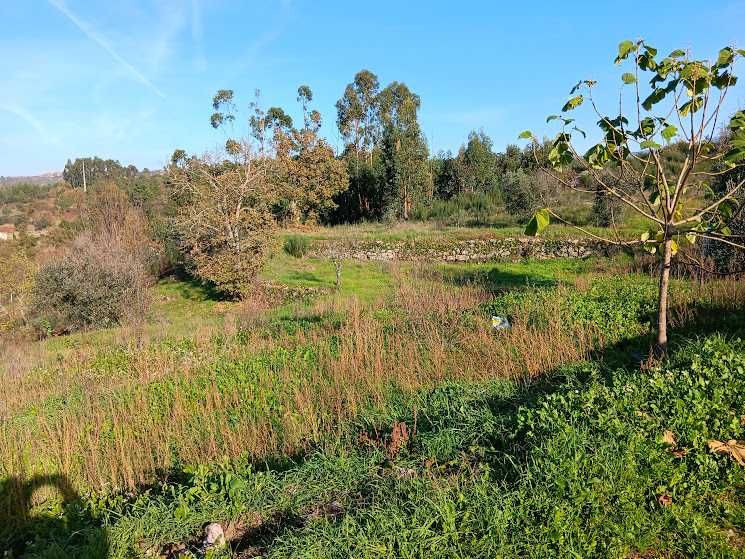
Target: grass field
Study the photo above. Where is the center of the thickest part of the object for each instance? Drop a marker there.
(428, 231)
(386, 419)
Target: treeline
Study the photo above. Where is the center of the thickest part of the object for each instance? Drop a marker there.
(390, 174)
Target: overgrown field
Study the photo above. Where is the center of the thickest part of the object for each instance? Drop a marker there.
(386, 418)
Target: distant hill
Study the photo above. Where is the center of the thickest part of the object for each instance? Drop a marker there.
(45, 178)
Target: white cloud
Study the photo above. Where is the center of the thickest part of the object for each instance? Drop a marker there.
(29, 118)
(90, 32)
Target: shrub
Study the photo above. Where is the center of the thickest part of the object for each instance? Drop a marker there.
(224, 221)
(296, 245)
(519, 193)
(467, 208)
(92, 286)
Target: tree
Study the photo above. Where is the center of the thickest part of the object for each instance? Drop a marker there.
(358, 116)
(477, 163)
(684, 100)
(16, 282)
(446, 175)
(408, 180)
(225, 218)
(309, 175)
(520, 200)
(305, 173)
(86, 171)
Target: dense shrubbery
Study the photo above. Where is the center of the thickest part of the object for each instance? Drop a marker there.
(23, 193)
(102, 279)
(86, 289)
(469, 208)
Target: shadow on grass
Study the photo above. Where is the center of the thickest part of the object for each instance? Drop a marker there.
(495, 280)
(193, 289)
(54, 533)
(309, 277)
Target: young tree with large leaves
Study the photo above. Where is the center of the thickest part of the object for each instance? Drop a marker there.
(682, 101)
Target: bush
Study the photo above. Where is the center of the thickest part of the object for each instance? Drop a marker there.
(226, 243)
(520, 196)
(296, 245)
(467, 208)
(88, 287)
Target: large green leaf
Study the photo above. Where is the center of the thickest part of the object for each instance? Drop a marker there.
(725, 79)
(538, 222)
(525, 135)
(573, 103)
(646, 126)
(655, 97)
(669, 132)
(649, 144)
(691, 106)
(597, 156)
(628, 78)
(624, 48)
(726, 56)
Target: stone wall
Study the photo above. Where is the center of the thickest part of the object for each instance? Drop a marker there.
(474, 250)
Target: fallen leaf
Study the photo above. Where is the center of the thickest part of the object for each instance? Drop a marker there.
(680, 452)
(669, 438)
(665, 500)
(736, 449)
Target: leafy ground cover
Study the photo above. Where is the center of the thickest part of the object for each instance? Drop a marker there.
(386, 418)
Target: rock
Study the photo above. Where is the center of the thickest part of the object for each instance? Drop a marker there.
(214, 537)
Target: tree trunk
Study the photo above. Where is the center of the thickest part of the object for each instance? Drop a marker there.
(661, 348)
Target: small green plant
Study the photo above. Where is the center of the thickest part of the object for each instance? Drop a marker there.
(296, 246)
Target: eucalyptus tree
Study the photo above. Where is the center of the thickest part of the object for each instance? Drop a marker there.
(478, 163)
(358, 115)
(662, 100)
(408, 179)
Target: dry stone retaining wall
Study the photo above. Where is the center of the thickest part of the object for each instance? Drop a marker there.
(474, 250)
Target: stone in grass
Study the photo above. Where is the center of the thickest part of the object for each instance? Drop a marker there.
(500, 323)
(214, 537)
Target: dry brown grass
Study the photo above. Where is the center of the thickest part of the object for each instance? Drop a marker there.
(109, 435)
(172, 407)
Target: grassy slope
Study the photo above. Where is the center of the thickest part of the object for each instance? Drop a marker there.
(571, 464)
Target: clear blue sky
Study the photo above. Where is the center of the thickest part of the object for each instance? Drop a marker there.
(133, 79)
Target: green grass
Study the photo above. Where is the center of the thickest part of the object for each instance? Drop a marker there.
(570, 464)
(573, 465)
(365, 280)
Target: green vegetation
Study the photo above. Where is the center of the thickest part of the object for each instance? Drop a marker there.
(279, 422)
(631, 167)
(192, 353)
(296, 246)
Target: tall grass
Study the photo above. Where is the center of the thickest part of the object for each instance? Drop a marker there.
(272, 384)
(114, 418)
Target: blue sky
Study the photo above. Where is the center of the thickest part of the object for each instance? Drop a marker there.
(133, 79)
